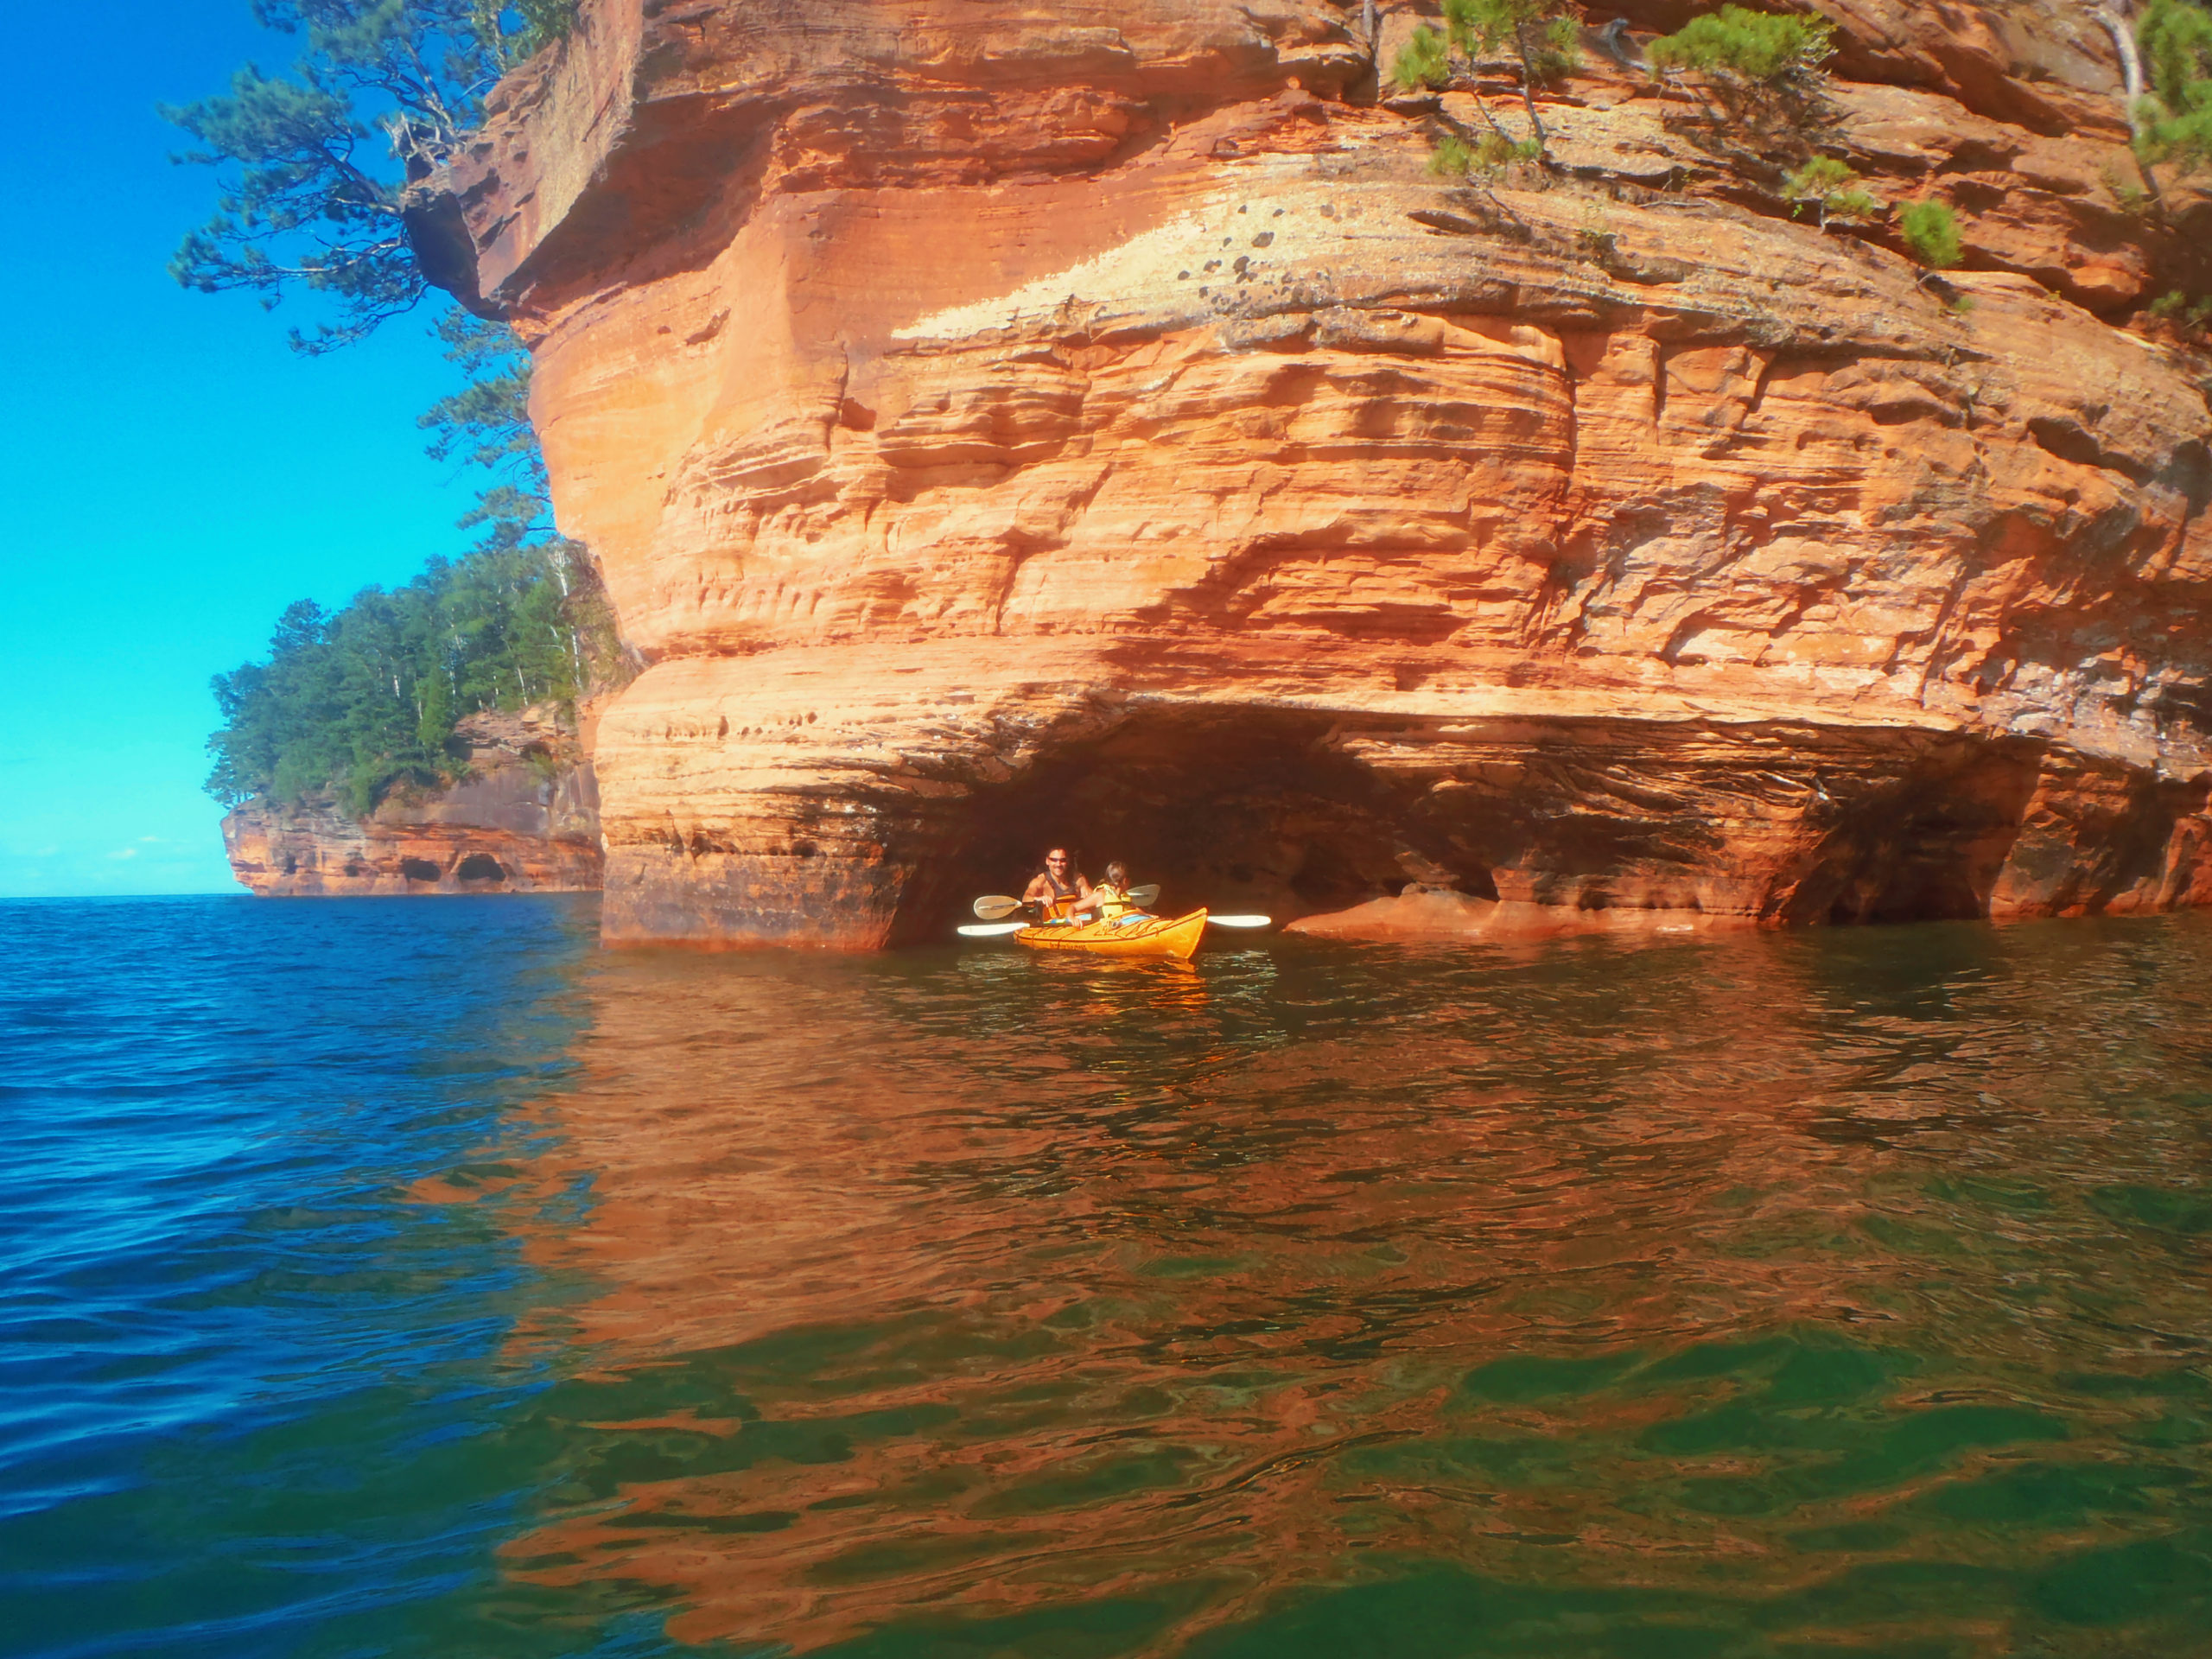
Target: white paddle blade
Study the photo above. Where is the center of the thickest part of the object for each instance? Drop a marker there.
(1240, 921)
(1145, 896)
(993, 908)
(991, 930)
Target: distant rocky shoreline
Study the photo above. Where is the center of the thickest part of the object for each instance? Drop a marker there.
(524, 818)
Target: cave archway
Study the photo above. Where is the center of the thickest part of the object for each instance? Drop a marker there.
(1927, 844)
(481, 867)
(1235, 807)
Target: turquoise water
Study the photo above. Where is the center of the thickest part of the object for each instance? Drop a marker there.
(415, 1278)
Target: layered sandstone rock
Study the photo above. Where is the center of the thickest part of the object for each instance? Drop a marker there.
(998, 424)
(525, 818)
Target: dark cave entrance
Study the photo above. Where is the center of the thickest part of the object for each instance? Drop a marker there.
(419, 869)
(1279, 811)
(481, 867)
(1235, 809)
(1927, 846)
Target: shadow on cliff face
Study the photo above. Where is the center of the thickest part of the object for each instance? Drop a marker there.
(1928, 845)
(1236, 809)
(1296, 812)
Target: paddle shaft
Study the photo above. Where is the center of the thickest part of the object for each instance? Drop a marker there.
(998, 907)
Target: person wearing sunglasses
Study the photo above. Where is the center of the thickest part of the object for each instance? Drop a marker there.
(1058, 890)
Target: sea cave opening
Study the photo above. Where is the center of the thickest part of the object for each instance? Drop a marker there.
(1236, 809)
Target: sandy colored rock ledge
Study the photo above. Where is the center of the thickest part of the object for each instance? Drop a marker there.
(525, 819)
(999, 426)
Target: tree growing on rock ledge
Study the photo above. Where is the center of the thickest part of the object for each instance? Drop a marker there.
(1931, 231)
(353, 702)
(314, 163)
(1755, 71)
(1539, 35)
(1831, 190)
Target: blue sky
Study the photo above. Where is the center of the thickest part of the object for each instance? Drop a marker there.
(172, 474)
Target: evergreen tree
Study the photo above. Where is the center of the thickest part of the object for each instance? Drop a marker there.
(1539, 35)
(1831, 190)
(314, 164)
(1931, 231)
(1759, 69)
(2176, 124)
(313, 161)
(353, 702)
(487, 424)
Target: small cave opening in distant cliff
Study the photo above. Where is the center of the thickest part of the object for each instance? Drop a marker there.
(1235, 809)
(481, 867)
(419, 869)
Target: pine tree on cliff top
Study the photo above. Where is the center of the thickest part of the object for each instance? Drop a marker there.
(354, 701)
(314, 164)
(487, 424)
(313, 161)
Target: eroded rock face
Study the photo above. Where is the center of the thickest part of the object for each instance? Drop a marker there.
(524, 820)
(999, 425)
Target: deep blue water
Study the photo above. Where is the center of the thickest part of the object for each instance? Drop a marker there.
(411, 1277)
(247, 1386)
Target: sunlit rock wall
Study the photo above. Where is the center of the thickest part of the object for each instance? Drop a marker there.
(525, 818)
(999, 424)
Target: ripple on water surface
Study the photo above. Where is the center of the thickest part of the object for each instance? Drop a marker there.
(398, 1278)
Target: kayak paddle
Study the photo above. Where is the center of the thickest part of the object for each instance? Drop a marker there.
(999, 907)
(1240, 921)
(991, 930)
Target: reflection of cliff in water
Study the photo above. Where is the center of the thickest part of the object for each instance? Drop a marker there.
(1777, 1290)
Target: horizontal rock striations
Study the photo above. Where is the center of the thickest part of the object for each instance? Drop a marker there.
(525, 819)
(1099, 422)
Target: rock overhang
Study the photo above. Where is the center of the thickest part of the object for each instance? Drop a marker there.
(1244, 410)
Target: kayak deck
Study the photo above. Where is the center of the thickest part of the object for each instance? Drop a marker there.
(1129, 936)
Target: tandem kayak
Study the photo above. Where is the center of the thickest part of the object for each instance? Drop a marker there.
(1128, 936)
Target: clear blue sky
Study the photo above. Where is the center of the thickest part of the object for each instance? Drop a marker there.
(172, 474)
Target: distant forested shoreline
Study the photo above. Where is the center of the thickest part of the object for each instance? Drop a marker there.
(312, 166)
(354, 701)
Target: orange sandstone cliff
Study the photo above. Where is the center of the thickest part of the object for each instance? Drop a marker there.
(523, 819)
(998, 422)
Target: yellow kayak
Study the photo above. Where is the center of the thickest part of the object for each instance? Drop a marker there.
(1129, 936)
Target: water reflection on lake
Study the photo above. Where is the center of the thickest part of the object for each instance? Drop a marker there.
(1843, 1292)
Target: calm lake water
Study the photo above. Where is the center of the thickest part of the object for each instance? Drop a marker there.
(411, 1278)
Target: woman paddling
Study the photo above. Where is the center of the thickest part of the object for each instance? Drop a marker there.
(1110, 898)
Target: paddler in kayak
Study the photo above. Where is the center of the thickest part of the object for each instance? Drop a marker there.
(1058, 891)
(1109, 899)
